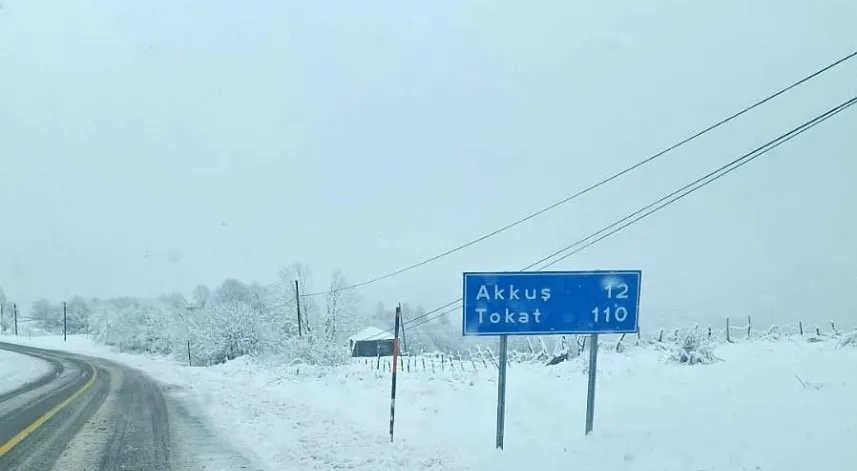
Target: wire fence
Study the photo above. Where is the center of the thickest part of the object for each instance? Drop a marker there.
(570, 346)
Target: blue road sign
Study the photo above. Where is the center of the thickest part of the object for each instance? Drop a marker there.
(538, 303)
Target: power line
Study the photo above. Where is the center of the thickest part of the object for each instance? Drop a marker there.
(659, 204)
(594, 185)
(708, 179)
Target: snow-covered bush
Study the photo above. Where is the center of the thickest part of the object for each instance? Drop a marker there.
(313, 350)
(774, 333)
(130, 324)
(848, 340)
(228, 330)
(694, 348)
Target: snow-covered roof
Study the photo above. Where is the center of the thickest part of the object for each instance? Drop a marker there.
(371, 333)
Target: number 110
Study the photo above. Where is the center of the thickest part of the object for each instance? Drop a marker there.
(619, 313)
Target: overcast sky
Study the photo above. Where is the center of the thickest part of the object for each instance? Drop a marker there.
(149, 146)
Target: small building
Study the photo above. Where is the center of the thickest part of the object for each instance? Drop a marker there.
(371, 342)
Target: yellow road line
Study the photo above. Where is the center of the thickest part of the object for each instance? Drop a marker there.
(7, 447)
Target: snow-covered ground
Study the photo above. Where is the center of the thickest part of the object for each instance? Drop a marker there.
(17, 370)
(769, 405)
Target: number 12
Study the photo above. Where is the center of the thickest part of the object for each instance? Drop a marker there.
(622, 291)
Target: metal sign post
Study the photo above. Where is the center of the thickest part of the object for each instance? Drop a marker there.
(590, 390)
(548, 303)
(501, 392)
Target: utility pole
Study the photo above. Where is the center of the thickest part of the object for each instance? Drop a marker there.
(298, 301)
(404, 348)
(15, 314)
(64, 321)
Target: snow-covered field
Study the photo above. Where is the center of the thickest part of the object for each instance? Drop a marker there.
(769, 405)
(17, 370)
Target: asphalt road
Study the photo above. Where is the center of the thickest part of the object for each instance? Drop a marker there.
(90, 414)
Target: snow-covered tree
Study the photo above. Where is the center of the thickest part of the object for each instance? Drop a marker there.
(174, 301)
(201, 296)
(341, 313)
(229, 330)
(78, 315)
(6, 311)
(282, 298)
(236, 319)
(232, 291)
(46, 315)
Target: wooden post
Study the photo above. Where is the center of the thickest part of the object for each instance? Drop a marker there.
(298, 302)
(15, 314)
(378, 363)
(728, 331)
(64, 321)
(749, 322)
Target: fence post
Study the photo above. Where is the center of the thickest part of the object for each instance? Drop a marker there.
(728, 332)
(800, 326)
(64, 321)
(748, 325)
(298, 306)
(189, 362)
(378, 362)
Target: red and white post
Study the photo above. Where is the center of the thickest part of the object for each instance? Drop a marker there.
(395, 369)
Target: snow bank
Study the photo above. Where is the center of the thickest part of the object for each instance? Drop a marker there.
(17, 370)
(753, 410)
